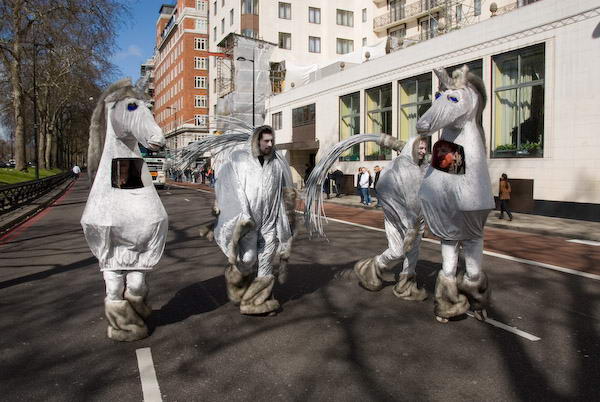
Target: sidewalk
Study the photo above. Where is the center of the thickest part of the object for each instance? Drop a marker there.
(545, 225)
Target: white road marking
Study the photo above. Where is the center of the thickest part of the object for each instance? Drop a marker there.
(168, 193)
(508, 328)
(186, 199)
(150, 387)
(587, 242)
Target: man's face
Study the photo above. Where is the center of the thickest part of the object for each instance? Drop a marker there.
(266, 143)
(422, 150)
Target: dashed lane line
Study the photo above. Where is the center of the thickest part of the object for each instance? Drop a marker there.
(150, 388)
(508, 328)
(586, 242)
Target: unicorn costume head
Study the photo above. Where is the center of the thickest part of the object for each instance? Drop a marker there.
(124, 221)
(456, 194)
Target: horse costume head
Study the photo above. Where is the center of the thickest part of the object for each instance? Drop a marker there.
(458, 100)
(130, 122)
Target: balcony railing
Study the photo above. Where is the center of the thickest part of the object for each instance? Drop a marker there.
(397, 14)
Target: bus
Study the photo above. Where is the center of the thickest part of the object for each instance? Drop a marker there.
(156, 162)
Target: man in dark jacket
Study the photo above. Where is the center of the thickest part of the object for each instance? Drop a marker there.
(337, 177)
(378, 170)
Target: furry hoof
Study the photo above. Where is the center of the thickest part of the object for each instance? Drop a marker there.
(139, 304)
(237, 284)
(477, 291)
(406, 288)
(480, 315)
(258, 298)
(448, 302)
(269, 308)
(369, 274)
(124, 323)
(441, 319)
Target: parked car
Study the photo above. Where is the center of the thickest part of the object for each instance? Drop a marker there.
(3, 164)
(12, 163)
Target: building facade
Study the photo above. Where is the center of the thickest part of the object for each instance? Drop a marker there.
(538, 62)
(181, 77)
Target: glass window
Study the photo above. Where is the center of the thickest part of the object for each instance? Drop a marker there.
(344, 17)
(364, 42)
(215, 33)
(415, 100)
(314, 44)
(201, 5)
(428, 28)
(231, 17)
(459, 13)
(303, 115)
(475, 66)
(477, 7)
(276, 120)
(200, 63)
(379, 120)
(518, 109)
(397, 9)
(215, 8)
(364, 15)
(285, 40)
(200, 82)
(199, 43)
(200, 120)
(249, 33)
(201, 25)
(314, 15)
(350, 124)
(344, 46)
(200, 101)
(223, 25)
(250, 7)
(285, 11)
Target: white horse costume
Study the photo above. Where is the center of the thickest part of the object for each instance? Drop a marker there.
(456, 206)
(124, 222)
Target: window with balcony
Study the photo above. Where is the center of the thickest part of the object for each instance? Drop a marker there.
(285, 40)
(250, 7)
(285, 11)
(314, 44)
(397, 9)
(518, 110)
(343, 46)
(200, 63)
(200, 82)
(344, 17)
(350, 124)
(379, 120)
(200, 101)
(199, 43)
(415, 95)
(276, 121)
(314, 15)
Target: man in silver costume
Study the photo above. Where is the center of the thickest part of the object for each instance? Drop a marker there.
(255, 204)
(398, 191)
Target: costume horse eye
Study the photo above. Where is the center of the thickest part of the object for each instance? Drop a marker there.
(453, 99)
(132, 106)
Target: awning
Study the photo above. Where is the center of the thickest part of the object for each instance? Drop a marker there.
(298, 146)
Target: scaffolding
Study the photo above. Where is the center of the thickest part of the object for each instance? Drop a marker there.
(243, 78)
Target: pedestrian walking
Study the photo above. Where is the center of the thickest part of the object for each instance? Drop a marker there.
(378, 170)
(337, 177)
(504, 195)
(76, 171)
(364, 184)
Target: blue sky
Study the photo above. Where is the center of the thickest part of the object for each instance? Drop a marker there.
(135, 39)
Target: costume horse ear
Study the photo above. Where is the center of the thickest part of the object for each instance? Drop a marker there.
(459, 77)
(444, 78)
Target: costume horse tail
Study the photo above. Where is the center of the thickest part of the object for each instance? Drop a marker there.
(313, 204)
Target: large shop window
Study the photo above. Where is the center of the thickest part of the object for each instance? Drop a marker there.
(379, 120)
(518, 109)
(475, 67)
(350, 124)
(415, 100)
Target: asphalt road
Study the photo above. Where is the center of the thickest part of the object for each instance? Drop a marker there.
(333, 340)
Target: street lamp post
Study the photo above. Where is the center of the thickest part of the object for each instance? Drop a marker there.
(241, 58)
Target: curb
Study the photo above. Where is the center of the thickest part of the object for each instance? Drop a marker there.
(28, 212)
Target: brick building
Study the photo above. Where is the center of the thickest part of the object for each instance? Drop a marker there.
(181, 72)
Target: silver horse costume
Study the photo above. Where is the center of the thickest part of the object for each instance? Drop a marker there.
(125, 226)
(398, 190)
(456, 206)
(255, 216)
